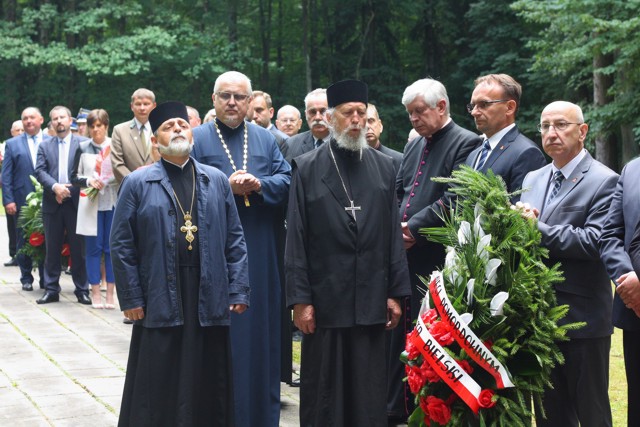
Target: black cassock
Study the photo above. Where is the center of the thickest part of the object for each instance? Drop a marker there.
(347, 268)
(176, 376)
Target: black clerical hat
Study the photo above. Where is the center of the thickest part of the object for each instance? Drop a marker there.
(347, 91)
(165, 111)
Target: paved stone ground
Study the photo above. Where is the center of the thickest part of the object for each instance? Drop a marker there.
(63, 364)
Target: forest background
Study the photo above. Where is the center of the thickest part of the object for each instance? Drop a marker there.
(94, 54)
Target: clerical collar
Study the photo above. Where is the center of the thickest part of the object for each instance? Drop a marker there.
(343, 152)
(224, 127)
(165, 161)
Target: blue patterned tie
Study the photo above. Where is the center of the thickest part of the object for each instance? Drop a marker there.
(486, 147)
(318, 143)
(556, 180)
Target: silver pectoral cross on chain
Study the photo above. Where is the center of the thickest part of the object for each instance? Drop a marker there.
(353, 209)
(188, 228)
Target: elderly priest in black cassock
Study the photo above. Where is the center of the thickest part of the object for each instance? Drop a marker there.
(180, 262)
(345, 267)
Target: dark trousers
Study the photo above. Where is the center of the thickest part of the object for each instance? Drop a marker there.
(11, 230)
(631, 344)
(581, 386)
(55, 225)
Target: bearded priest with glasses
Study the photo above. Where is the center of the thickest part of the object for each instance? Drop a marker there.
(259, 177)
(345, 267)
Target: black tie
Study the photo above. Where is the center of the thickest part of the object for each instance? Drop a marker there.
(318, 143)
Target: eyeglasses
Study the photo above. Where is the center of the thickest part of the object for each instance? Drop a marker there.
(559, 126)
(484, 104)
(226, 96)
(312, 111)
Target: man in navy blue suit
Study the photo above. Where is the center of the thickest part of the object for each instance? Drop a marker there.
(60, 208)
(19, 163)
(505, 150)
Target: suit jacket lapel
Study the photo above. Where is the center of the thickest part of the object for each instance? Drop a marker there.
(502, 146)
(134, 132)
(568, 185)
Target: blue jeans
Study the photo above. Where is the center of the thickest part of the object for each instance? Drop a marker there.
(95, 246)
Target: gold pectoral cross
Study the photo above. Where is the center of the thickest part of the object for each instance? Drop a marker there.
(246, 201)
(189, 229)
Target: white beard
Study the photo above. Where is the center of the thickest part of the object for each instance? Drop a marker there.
(348, 142)
(178, 146)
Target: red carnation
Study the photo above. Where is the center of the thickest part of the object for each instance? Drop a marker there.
(429, 316)
(36, 239)
(486, 399)
(429, 373)
(412, 350)
(436, 409)
(65, 250)
(442, 333)
(415, 379)
(465, 365)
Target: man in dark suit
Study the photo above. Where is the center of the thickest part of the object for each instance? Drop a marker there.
(19, 164)
(60, 208)
(623, 217)
(261, 112)
(505, 150)
(570, 199)
(374, 130)
(315, 105)
(442, 146)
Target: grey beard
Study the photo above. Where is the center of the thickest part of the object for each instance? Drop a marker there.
(346, 141)
(177, 147)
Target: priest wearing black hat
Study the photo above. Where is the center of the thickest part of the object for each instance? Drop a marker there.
(345, 267)
(180, 264)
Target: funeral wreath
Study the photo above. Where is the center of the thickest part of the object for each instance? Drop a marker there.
(486, 338)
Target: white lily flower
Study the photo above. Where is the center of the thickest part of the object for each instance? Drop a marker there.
(464, 232)
(470, 286)
(481, 249)
(477, 228)
(497, 303)
(450, 258)
(466, 318)
(477, 210)
(491, 270)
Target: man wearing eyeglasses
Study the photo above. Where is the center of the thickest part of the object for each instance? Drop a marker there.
(569, 199)
(441, 147)
(259, 178)
(505, 150)
(315, 105)
(289, 120)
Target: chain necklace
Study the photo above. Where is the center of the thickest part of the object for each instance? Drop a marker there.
(244, 157)
(188, 227)
(351, 206)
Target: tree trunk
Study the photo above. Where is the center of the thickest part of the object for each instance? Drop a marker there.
(605, 143)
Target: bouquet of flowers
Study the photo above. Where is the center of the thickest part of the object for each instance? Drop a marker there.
(30, 220)
(486, 337)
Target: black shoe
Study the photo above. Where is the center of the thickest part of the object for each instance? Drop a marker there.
(48, 297)
(13, 262)
(127, 321)
(27, 287)
(295, 383)
(84, 299)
